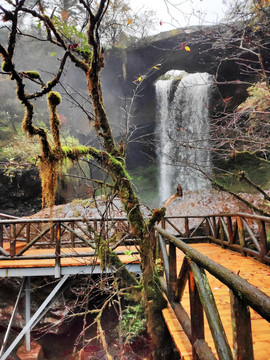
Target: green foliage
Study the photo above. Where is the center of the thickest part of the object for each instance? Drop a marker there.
(257, 169)
(133, 321)
(146, 181)
(71, 32)
(257, 101)
(82, 202)
(20, 149)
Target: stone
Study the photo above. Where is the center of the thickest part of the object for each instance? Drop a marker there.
(36, 352)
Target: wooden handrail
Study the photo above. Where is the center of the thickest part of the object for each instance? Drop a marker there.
(242, 296)
(256, 299)
(232, 230)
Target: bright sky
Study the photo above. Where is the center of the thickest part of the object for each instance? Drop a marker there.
(192, 12)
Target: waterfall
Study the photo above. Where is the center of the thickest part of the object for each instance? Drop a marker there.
(183, 133)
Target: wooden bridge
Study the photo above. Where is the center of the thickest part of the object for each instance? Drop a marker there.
(218, 292)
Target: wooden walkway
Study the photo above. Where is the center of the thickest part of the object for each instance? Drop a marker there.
(72, 260)
(254, 272)
(64, 247)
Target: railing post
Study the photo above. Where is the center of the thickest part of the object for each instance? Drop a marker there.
(186, 227)
(214, 227)
(163, 223)
(221, 229)
(72, 234)
(27, 233)
(241, 235)
(58, 250)
(263, 239)
(182, 280)
(52, 235)
(230, 229)
(196, 314)
(166, 265)
(207, 227)
(241, 324)
(1, 234)
(28, 313)
(13, 240)
(209, 305)
(173, 270)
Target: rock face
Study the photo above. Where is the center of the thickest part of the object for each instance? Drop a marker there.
(20, 194)
(166, 52)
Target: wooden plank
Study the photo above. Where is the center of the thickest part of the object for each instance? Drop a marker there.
(126, 259)
(178, 335)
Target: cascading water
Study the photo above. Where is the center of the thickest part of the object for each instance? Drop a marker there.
(183, 133)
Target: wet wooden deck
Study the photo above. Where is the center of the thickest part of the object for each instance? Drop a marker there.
(254, 272)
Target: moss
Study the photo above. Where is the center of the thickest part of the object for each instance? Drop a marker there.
(33, 74)
(256, 168)
(76, 213)
(54, 98)
(48, 170)
(119, 167)
(6, 66)
(75, 153)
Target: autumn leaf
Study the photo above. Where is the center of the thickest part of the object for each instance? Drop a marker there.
(187, 48)
(73, 46)
(156, 66)
(129, 21)
(138, 80)
(160, 23)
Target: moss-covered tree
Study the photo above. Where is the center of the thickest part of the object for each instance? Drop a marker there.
(90, 60)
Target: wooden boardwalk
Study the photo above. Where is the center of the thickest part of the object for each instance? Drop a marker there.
(254, 272)
(72, 259)
(65, 247)
(131, 257)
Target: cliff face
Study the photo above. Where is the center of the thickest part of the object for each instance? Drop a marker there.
(20, 194)
(207, 54)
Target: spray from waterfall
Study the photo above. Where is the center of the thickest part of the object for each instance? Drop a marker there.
(183, 132)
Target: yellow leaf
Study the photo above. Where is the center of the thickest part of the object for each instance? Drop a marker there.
(155, 67)
(139, 79)
(187, 48)
(129, 21)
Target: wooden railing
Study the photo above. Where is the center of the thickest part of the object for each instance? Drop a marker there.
(19, 235)
(242, 232)
(242, 294)
(245, 233)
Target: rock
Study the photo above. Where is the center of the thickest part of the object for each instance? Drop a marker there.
(36, 352)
